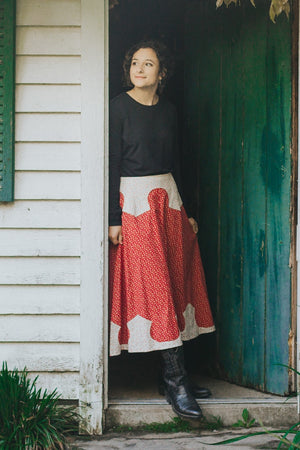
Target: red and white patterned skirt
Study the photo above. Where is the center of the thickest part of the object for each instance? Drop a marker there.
(158, 295)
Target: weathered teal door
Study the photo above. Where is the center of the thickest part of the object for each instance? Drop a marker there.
(238, 165)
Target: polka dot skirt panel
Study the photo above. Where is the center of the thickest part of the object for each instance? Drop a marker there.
(158, 295)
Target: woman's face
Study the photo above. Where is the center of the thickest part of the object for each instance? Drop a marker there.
(144, 69)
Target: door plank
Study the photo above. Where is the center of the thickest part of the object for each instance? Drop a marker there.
(254, 239)
(277, 180)
(231, 196)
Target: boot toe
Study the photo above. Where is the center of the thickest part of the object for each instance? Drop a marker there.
(200, 392)
(188, 412)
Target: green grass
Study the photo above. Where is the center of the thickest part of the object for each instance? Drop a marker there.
(176, 425)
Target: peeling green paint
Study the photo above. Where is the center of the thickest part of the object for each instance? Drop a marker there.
(238, 108)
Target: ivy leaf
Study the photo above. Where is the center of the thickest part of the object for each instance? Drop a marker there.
(245, 415)
(272, 14)
(287, 9)
(276, 7)
(251, 423)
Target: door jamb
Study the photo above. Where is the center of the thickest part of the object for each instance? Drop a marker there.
(94, 214)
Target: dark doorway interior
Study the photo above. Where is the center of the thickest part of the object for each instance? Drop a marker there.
(232, 89)
(130, 22)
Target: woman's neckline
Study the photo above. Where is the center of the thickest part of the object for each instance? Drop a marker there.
(142, 104)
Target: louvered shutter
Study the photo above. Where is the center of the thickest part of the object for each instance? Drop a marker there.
(7, 103)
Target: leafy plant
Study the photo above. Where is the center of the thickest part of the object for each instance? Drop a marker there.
(246, 421)
(276, 7)
(29, 418)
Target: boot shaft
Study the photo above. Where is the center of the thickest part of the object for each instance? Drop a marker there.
(173, 364)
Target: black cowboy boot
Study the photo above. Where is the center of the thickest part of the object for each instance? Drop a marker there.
(197, 391)
(177, 391)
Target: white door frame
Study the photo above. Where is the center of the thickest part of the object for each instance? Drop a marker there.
(94, 213)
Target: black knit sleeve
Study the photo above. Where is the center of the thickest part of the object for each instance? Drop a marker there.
(177, 167)
(115, 157)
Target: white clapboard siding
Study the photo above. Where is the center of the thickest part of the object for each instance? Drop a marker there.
(39, 270)
(47, 127)
(48, 12)
(41, 357)
(47, 156)
(47, 185)
(39, 300)
(40, 328)
(48, 41)
(66, 384)
(48, 69)
(40, 214)
(40, 230)
(47, 98)
(39, 242)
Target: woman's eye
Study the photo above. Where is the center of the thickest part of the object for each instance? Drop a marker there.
(149, 64)
(133, 63)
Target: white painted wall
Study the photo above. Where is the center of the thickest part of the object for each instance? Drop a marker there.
(40, 231)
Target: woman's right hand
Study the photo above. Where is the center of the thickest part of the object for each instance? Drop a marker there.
(115, 234)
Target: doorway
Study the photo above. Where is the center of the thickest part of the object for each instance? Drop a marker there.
(232, 88)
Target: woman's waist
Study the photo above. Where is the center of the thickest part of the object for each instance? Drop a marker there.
(136, 191)
(145, 176)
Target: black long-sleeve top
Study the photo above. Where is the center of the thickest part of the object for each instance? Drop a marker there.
(142, 141)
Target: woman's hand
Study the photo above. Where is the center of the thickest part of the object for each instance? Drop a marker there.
(115, 234)
(194, 224)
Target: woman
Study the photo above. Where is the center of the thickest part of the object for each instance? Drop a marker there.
(157, 287)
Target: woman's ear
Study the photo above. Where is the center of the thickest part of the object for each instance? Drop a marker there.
(162, 74)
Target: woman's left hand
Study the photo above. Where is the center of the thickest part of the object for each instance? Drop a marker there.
(194, 224)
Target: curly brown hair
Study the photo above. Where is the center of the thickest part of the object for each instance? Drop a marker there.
(166, 61)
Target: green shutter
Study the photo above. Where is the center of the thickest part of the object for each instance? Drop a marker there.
(7, 100)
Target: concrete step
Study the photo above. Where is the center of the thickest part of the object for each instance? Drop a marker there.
(271, 411)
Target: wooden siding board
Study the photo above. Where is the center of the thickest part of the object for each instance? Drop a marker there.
(47, 156)
(41, 270)
(18, 328)
(67, 384)
(48, 98)
(49, 13)
(48, 41)
(41, 357)
(41, 214)
(47, 185)
(48, 127)
(48, 69)
(36, 242)
(39, 300)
